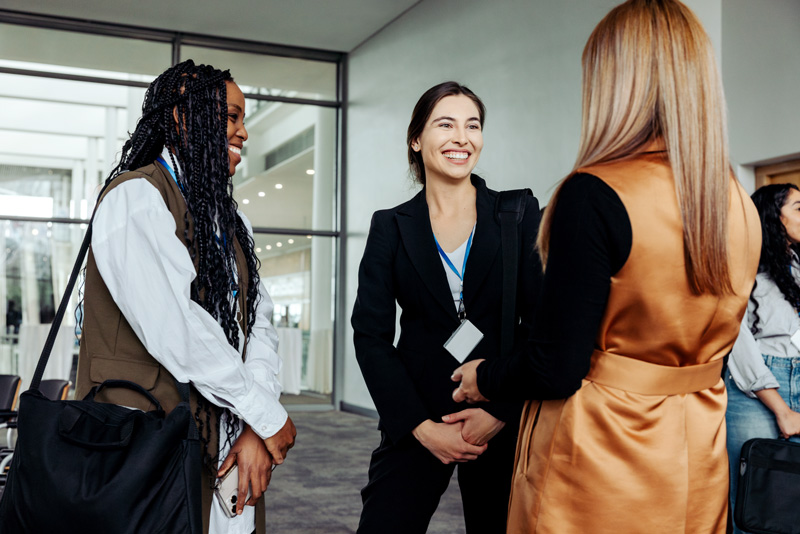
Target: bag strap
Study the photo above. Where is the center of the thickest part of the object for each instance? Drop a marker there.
(183, 389)
(62, 308)
(509, 210)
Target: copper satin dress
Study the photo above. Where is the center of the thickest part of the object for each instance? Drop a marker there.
(640, 447)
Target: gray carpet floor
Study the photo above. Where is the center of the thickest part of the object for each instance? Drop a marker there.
(317, 489)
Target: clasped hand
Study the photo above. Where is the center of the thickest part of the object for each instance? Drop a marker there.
(256, 459)
(461, 437)
(464, 435)
(255, 467)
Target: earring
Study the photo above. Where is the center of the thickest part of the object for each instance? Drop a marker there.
(415, 146)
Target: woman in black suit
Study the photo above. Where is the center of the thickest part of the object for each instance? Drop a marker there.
(417, 255)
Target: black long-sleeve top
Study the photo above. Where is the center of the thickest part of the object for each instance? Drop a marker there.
(590, 240)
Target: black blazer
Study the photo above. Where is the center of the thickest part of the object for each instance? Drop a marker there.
(411, 382)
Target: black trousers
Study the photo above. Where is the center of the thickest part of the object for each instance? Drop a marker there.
(406, 482)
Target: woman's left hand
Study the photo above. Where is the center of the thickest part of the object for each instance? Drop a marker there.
(479, 425)
(468, 389)
(255, 467)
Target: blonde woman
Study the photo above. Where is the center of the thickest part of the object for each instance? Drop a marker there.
(650, 248)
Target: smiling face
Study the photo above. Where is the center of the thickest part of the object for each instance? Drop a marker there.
(236, 133)
(451, 142)
(790, 216)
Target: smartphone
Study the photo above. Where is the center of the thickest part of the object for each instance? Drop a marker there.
(227, 490)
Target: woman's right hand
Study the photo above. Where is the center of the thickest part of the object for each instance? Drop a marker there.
(444, 441)
(787, 419)
(255, 467)
(788, 423)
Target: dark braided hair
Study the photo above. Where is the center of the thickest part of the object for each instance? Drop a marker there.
(776, 250)
(186, 109)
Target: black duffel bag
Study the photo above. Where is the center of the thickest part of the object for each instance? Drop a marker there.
(88, 467)
(768, 494)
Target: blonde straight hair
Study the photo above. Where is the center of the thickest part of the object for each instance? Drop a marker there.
(649, 74)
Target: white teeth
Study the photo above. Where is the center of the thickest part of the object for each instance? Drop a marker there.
(456, 155)
(235, 150)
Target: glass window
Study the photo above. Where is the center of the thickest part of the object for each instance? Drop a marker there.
(59, 139)
(271, 75)
(288, 174)
(38, 261)
(298, 273)
(24, 47)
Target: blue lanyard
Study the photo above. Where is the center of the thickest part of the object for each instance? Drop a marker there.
(167, 166)
(224, 242)
(453, 267)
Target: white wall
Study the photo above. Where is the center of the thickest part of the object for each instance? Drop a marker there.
(522, 57)
(761, 71)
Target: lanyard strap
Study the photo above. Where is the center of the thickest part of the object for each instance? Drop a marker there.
(223, 243)
(450, 263)
(461, 312)
(167, 166)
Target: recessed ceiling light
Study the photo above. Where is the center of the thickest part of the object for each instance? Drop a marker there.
(278, 244)
(291, 241)
(262, 194)
(269, 247)
(310, 172)
(278, 186)
(258, 249)
(35, 231)
(308, 236)
(245, 201)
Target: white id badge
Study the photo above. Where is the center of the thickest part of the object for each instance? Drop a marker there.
(796, 339)
(464, 339)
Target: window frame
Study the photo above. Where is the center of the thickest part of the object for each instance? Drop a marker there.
(179, 39)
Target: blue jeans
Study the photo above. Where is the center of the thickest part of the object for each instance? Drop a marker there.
(749, 418)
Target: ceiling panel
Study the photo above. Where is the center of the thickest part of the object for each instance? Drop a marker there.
(338, 25)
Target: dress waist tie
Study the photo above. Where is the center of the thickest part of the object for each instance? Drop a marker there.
(637, 376)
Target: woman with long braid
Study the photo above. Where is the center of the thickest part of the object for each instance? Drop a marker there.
(172, 287)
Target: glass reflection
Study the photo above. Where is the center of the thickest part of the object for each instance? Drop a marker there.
(38, 259)
(271, 75)
(298, 273)
(287, 178)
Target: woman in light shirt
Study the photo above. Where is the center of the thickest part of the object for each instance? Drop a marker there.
(763, 378)
(172, 288)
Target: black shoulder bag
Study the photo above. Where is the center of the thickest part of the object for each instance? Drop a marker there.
(768, 494)
(510, 210)
(88, 467)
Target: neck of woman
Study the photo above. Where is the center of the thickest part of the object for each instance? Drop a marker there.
(450, 199)
(452, 211)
